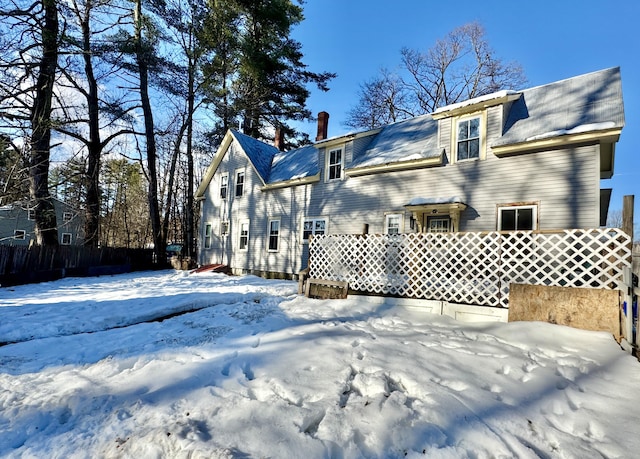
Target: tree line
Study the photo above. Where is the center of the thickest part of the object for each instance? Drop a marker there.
(136, 93)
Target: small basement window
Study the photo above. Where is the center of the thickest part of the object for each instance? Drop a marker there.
(518, 218)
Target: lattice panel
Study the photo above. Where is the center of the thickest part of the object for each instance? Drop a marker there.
(470, 268)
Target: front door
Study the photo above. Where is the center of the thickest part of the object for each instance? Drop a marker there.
(439, 224)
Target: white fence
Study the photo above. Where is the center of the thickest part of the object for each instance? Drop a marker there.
(471, 268)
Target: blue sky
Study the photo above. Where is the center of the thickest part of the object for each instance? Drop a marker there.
(551, 40)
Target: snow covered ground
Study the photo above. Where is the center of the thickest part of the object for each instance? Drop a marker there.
(253, 370)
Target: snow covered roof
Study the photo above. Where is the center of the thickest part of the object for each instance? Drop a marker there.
(586, 103)
(408, 140)
(260, 153)
(475, 101)
(419, 201)
(295, 164)
(583, 104)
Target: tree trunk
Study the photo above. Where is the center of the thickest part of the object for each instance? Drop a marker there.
(159, 239)
(94, 146)
(45, 214)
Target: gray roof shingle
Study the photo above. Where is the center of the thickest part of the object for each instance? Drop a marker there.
(584, 103)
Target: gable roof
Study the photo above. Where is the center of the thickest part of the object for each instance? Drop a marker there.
(260, 154)
(576, 109)
(586, 103)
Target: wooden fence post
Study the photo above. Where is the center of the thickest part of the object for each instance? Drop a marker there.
(627, 227)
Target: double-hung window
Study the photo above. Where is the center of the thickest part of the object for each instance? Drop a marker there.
(392, 223)
(239, 183)
(518, 218)
(224, 186)
(67, 217)
(224, 228)
(468, 140)
(312, 226)
(66, 238)
(31, 213)
(335, 163)
(274, 235)
(243, 241)
(207, 236)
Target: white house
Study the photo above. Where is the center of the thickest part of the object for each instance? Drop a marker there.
(530, 159)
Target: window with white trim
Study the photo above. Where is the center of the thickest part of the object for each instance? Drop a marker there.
(67, 217)
(66, 239)
(20, 234)
(438, 224)
(313, 226)
(207, 236)
(393, 223)
(224, 228)
(224, 186)
(31, 213)
(468, 139)
(243, 240)
(239, 183)
(518, 218)
(335, 164)
(274, 235)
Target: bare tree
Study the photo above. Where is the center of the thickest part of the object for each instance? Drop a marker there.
(458, 67)
(382, 100)
(28, 60)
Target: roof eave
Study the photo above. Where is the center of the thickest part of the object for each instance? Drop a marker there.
(213, 167)
(602, 136)
(394, 167)
(444, 113)
(293, 182)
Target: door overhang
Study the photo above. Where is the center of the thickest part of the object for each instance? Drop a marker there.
(440, 207)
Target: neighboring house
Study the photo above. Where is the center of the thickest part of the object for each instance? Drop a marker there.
(17, 224)
(527, 160)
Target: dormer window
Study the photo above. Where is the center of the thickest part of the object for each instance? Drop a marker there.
(335, 164)
(468, 139)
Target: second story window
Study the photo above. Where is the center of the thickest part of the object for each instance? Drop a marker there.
(224, 186)
(31, 213)
(66, 238)
(244, 235)
(335, 162)
(468, 141)
(67, 217)
(239, 183)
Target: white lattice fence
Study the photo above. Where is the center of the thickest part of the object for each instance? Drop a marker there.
(470, 268)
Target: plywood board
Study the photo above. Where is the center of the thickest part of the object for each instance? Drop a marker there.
(584, 308)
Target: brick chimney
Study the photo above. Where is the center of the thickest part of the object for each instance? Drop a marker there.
(323, 126)
(278, 142)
